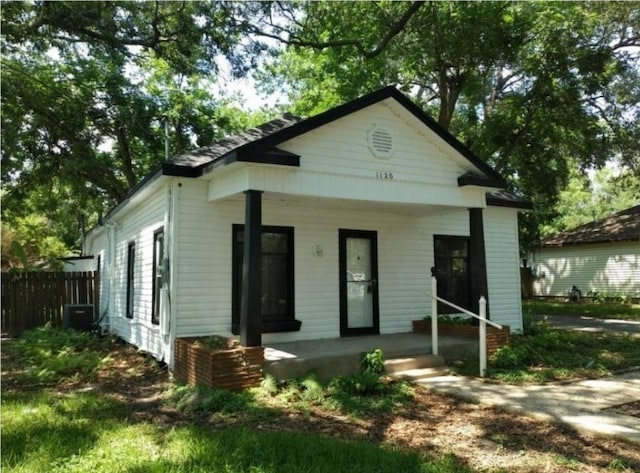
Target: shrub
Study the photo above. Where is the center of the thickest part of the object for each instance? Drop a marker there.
(372, 362)
(608, 296)
(202, 399)
(368, 381)
(361, 384)
(217, 342)
(513, 356)
(452, 319)
(269, 384)
(51, 354)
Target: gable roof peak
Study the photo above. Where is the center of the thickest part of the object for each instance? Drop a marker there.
(269, 135)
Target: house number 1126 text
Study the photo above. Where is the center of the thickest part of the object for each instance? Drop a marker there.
(384, 175)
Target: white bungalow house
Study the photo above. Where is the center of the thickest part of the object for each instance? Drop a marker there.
(600, 256)
(309, 229)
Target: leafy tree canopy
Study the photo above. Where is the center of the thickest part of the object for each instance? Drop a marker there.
(535, 88)
(585, 198)
(85, 87)
(532, 87)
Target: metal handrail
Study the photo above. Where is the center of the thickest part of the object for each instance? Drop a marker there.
(482, 332)
(465, 311)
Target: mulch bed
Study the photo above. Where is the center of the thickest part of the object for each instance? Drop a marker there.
(485, 438)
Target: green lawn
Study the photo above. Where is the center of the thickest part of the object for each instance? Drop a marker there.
(545, 354)
(602, 310)
(51, 423)
(45, 432)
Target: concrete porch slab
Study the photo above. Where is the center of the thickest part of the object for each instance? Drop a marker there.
(341, 356)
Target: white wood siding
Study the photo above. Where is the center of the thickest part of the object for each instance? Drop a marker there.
(340, 184)
(604, 267)
(405, 256)
(503, 266)
(138, 226)
(340, 148)
(336, 162)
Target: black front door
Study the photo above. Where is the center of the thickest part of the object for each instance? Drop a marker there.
(358, 283)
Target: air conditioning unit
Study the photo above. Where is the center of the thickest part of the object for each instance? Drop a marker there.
(78, 317)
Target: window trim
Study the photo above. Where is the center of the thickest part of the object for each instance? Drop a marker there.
(281, 324)
(131, 260)
(156, 288)
(444, 308)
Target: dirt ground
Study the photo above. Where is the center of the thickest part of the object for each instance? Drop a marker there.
(484, 438)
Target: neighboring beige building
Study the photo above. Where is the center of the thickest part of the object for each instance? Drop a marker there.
(602, 256)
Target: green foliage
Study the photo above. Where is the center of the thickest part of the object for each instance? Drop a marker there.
(451, 319)
(313, 389)
(359, 394)
(29, 244)
(366, 383)
(586, 199)
(608, 296)
(537, 89)
(269, 385)
(618, 464)
(52, 354)
(85, 86)
(361, 384)
(373, 362)
(303, 392)
(607, 309)
(545, 354)
(206, 400)
(47, 432)
(217, 342)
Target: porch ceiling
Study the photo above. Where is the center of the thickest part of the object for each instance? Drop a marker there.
(288, 200)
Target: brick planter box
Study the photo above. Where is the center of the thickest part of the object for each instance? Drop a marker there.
(495, 338)
(233, 369)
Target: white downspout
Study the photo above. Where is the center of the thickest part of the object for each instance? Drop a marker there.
(169, 292)
(110, 291)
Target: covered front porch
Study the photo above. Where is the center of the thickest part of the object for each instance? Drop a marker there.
(341, 356)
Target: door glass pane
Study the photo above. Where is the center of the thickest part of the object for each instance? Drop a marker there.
(358, 259)
(451, 262)
(359, 283)
(275, 300)
(276, 265)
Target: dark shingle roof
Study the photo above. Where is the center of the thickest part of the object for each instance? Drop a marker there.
(267, 137)
(504, 198)
(207, 154)
(621, 226)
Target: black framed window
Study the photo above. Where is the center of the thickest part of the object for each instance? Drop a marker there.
(131, 260)
(158, 256)
(452, 271)
(277, 268)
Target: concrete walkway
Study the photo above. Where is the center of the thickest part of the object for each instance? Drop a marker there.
(581, 404)
(583, 323)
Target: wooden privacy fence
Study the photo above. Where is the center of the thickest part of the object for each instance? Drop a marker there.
(32, 299)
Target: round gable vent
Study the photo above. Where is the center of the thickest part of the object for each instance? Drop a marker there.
(380, 142)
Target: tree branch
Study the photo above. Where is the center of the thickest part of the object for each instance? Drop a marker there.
(394, 30)
(632, 41)
(125, 154)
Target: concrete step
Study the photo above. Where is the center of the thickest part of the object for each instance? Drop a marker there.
(421, 373)
(395, 365)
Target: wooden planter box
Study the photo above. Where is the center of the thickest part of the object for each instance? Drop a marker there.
(234, 369)
(496, 338)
